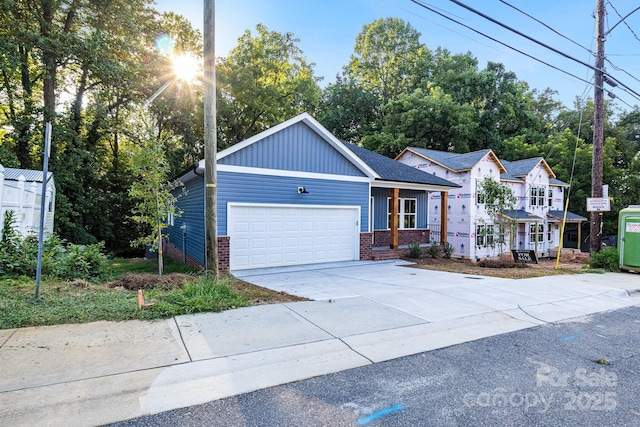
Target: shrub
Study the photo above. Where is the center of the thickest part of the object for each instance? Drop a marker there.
(415, 251)
(18, 256)
(447, 250)
(607, 259)
(434, 250)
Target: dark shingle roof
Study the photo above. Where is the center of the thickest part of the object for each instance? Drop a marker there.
(392, 170)
(453, 161)
(570, 216)
(521, 167)
(554, 181)
(13, 174)
(521, 215)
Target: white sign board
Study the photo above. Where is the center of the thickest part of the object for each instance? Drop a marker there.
(598, 204)
(633, 227)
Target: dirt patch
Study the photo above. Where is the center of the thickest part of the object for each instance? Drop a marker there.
(256, 295)
(135, 281)
(505, 266)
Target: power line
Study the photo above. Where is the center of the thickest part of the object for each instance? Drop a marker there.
(623, 20)
(495, 21)
(547, 26)
(615, 67)
(419, 3)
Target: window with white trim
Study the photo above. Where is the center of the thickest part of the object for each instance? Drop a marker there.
(501, 233)
(479, 197)
(532, 233)
(490, 235)
(407, 213)
(550, 197)
(537, 196)
(480, 235)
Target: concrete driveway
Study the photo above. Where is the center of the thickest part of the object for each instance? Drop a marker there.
(435, 296)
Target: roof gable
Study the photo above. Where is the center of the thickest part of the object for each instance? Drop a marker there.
(523, 167)
(453, 161)
(299, 144)
(392, 170)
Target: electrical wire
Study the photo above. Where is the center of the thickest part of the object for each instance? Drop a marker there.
(571, 40)
(423, 5)
(547, 26)
(419, 3)
(495, 21)
(625, 22)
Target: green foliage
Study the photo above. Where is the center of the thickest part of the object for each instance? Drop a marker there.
(80, 302)
(434, 250)
(155, 201)
(348, 111)
(497, 199)
(607, 259)
(415, 251)
(426, 119)
(447, 250)
(18, 256)
(264, 81)
(388, 58)
(10, 238)
(206, 294)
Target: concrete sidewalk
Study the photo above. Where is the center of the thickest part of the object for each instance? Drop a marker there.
(363, 313)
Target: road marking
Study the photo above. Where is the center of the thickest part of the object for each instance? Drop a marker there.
(570, 337)
(381, 413)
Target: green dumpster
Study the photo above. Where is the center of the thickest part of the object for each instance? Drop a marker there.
(629, 238)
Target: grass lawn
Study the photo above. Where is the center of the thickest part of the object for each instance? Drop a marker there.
(80, 302)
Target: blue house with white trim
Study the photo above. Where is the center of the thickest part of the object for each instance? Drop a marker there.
(295, 194)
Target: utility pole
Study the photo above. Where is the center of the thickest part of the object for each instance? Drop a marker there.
(598, 129)
(210, 139)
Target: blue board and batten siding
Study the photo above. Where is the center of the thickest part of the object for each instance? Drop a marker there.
(264, 189)
(192, 207)
(250, 188)
(296, 148)
(380, 206)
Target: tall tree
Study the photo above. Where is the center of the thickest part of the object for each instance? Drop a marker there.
(265, 80)
(424, 119)
(348, 111)
(388, 58)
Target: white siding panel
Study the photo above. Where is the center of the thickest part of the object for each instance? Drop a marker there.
(271, 236)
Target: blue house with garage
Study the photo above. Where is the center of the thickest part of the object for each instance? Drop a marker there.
(295, 194)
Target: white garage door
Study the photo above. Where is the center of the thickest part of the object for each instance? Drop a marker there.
(271, 236)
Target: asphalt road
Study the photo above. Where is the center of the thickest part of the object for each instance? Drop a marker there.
(584, 372)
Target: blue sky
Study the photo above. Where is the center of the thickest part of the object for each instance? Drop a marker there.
(327, 30)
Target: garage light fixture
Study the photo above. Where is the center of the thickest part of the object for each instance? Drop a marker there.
(302, 190)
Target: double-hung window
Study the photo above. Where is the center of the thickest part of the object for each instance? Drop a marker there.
(407, 213)
(485, 235)
(540, 233)
(537, 196)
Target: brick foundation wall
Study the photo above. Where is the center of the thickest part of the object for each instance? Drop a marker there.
(174, 252)
(223, 254)
(405, 237)
(366, 247)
